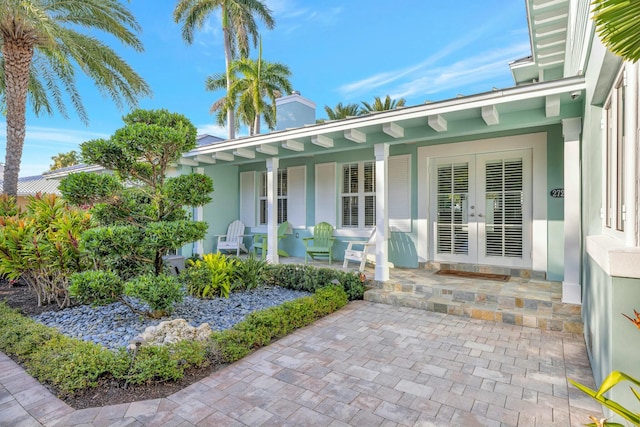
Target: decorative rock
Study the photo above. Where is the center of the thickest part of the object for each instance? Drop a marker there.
(114, 325)
(172, 331)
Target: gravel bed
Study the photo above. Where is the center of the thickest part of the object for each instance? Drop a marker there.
(114, 325)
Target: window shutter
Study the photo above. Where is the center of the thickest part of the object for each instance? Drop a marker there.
(326, 193)
(296, 200)
(248, 198)
(399, 208)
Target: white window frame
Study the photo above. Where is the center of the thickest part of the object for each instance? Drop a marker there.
(361, 194)
(281, 197)
(613, 137)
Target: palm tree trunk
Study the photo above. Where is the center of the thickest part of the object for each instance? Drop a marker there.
(256, 125)
(227, 60)
(17, 60)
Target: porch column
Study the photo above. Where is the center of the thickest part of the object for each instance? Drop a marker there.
(571, 289)
(198, 215)
(272, 210)
(382, 217)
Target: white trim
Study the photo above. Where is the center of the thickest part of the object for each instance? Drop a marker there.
(613, 257)
(272, 209)
(571, 129)
(382, 219)
(537, 142)
(518, 93)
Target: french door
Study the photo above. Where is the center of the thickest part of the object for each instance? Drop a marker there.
(481, 208)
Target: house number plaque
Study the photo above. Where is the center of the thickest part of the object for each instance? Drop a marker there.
(557, 193)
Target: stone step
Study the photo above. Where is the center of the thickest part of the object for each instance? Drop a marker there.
(529, 312)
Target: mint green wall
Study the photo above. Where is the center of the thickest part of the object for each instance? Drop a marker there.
(613, 342)
(555, 207)
(225, 205)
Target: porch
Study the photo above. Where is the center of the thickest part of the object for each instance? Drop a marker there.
(521, 300)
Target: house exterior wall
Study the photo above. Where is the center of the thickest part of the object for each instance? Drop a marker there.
(611, 258)
(403, 245)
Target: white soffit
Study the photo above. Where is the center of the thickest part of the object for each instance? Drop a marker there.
(245, 152)
(322, 141)
(490, 115)
(437, 123)
(293, 145)
(355, 135)
(549, 28)
(203, 158)
(187, 162)
(393, 129)
(267, 149)
(552, 106)
(221, 155)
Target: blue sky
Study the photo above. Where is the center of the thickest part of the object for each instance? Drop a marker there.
(338, 51)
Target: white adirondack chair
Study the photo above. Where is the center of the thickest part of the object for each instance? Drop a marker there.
(366, 249)
(232, 241)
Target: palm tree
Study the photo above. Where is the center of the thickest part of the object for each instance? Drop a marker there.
(238, 24)
(341, 111)
(253, 81)
(380, 105)
(41, 41)
(63, 160)
(618, 24)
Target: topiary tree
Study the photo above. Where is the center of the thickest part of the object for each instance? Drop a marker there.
(140, 211)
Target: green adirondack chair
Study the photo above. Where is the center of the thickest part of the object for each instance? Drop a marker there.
(260, 241)
(322, 242)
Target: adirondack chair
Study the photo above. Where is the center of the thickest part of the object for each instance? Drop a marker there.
(260, 241)
(232, 241)
(365, 249)
(322, 242)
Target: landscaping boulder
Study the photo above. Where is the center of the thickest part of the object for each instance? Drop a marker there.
(172, 331)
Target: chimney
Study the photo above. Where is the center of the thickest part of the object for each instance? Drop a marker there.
(294, 111)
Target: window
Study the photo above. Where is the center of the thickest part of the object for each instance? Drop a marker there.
(614, 191)
(358, 196)
(281, 197)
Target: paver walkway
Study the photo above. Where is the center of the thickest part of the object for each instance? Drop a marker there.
(366, 365)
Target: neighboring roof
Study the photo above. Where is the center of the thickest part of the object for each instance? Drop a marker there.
(206, 139)
(30, 185)
(62, 172)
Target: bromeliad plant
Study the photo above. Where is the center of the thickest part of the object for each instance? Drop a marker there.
(613, 379)
(41, 245)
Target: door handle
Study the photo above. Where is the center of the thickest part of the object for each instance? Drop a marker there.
(472, 214)
(480, 215)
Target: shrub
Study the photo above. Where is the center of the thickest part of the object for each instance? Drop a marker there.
(259, 328)
(249, 273)
(41, 246)
(210, 277)
(96, 287)
(164, 363)
(159, 292)
(71, 365)
(308, 278)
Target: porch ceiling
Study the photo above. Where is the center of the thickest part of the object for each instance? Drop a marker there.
(515, 108)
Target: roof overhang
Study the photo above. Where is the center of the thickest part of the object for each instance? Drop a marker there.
(548, 29)
(514, 108)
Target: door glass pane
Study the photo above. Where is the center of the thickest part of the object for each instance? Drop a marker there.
(504, 198)
(452, 204)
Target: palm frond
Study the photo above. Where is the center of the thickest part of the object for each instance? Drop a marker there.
(618, 24)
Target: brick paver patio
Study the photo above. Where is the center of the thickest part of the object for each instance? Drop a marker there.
(366, 365)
